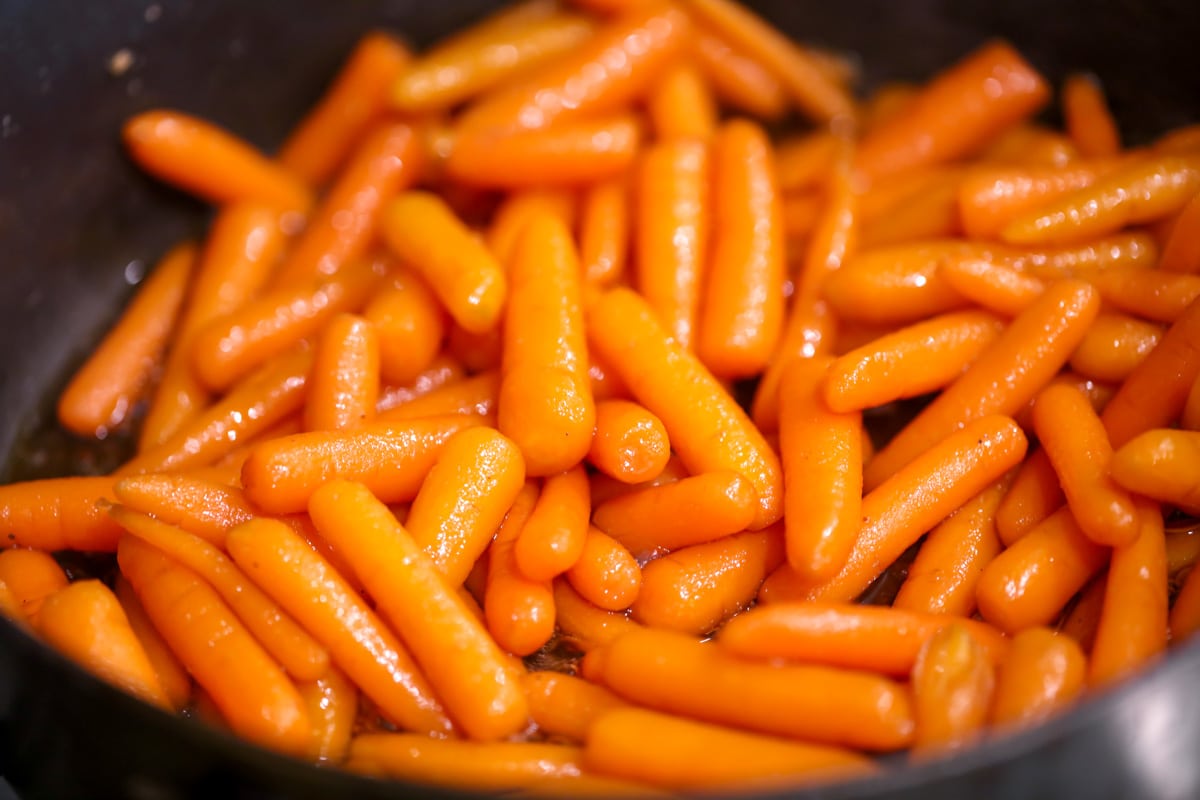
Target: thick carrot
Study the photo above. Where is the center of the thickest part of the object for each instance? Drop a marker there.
(630, 443)
(957, 113)
(390, 458)
(31, 576)
(952, 686)
(707, 428)
(1181, 252)
(199, 506)
(410, 326)
(520, 612)
(991, 196)
(1088, 120)
(584, 624)
(515, 211)
(102, 393)
(211, 163)
(1156, 295)
(345, 375)
(1114, 346)
(553, 536)
(463, 499)
(58, 514)
(252, 692)
(332, 705)
(680, 104)
(606, 573)
(604, 231)
(1003, 378)
(1163, 464)
(1185, 613)
(474, 396)
(897, 285)
(563, 705)
(738, 79)
(172, 677)
(1041, 673)
(309, 589)
(473, 766)
(676, 673)
(1034, 495)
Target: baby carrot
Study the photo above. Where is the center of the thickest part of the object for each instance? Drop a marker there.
(991, 196)
(680, 104)
(332, 705)
(676, 673)
(743, 307)
(410, 325)
(1034, 495)
(1185, 613)
(520, 612)
(1087, 118)
(676, 753)
(706, 426)
(1031, 145)
(211, 163)
(201, 507)
(952, 685)
(605, 488)
(102, 393)
(545, 403)
(737, 78)
(515, 211)
(1156, 294)
(630, 443)
(252, 692)
(473, 766)
(1029, 583)
(897, 285)
(345, 375)
(552, 538)
(58, 514)
(463, 499)
(694, 589)
(584, 624)
(1163, 464)
(1181, 253)
(444, 370)
(606, 573)
(909, 362)
(956, 113)
(309, 589)
(1114, 346)
(1041, 673)
(31, 576)
(390, 458)
(604, 230)
(996, 287)
(1133, 623)
(466, 668)
(473, 396)
(563, 705)
(1003, 378)
(172, 677)
(929, 213)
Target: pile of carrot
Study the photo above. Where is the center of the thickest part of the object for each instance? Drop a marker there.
(451, 380)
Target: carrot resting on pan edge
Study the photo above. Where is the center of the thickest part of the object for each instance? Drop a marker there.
(535, 420)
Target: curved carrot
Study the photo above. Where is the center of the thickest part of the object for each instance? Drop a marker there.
(738, 79)
(520, 612)
(553, 536)
(996, 287)
(515, 211)
(1185, 613)
(680, 104)
(1034, 495)
(1181, 252)
(58, 514)
(1154, 295)
(584, 624)
(345, 375)
(1040, 674)
(990, 197)
(444, 370)
(1114, 346)
(630, 443)
(201, 507)
(563, 705)
(952, 685)
(606, 573)
(478, 766)
(211, 163)
(103, 392)
(332, 705)
(172, 677)
(473, 396)
(31, 576)
(1088, 120)
(604, 232)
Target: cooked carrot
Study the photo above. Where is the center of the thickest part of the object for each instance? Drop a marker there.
(707, 428)
(474, 396)
(58, 514)
(474, 766)
(172, 677)
(896, 285)
(1040, 674)
(563, 705)
(957, 113)
(1183, 139)
(990, 197)
(1133, 624)
(804, 161)
(284, 640)
(515, 211)
(211, 163)
(952, 686)
(345, 376)
(604, 230)
(332, 705)
(1088, 120)
(252, 692)
(1181, 252)
(386, 161)
(928, 214)
(463, 499)
(1189, 418)
(1089, 259)
(606, 573)
(738, 79)
(694, 589)
(1162, 464)
(552, 538)
(520, 612)
(893, 194)
(1154, 295)
(102, 393)
(680, 104)
(31, 576)
(743, 307)
(410, 326)
(1031, 145)
(1034, 495)
(1029, 583)
(630, 443)
(309, 589)
(671, 233)
(545, 403)
(390, 458)
(605, 488)
(677, 753)
(885, 103)
(201, 507)
(1185, 613)
(444, 370)
(227, 470)
(1114, 346)
(584, 624)
(676, 673)
(996, 287)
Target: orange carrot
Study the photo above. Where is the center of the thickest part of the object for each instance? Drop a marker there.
(584, 624)
(58, 514)
(200, 507)
(515, 211)
(1181, 253)
(1031, 145)
(990, 196)
(738, 79)
(952, 685)
(1034, 495)
(444, 370)
(1088, 120)
(1156, 295)
(995, 287)
(803, 162)
(930, 213)
(605, 488)
(630, 443)
(1040, 674)
(172, 677)
(552, 538)
(1162, 464)
(604, 230)
(332, 705)
(680, 104)
(474, 396)
(31, 576)
(1114, 346)
(563, 705)
(472, 766)
(345, 376)
(606, 573)
(410, 326)
(519, 611)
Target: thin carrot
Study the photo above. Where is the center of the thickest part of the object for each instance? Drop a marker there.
(552, 539)
(952, 685)
(332, 705)
(1088, 120)
(1181, 253)
(738, 79)
(410, 326)
(1040, 674)
(991, 196)
(172, 677)
(102, 393)
(606, 573)
(31, 576)
(345, 376)
(604, 231)
(1034, 495)
(201, 507)
(680, 104)
(476, 766)
(563, 705)
(630, 443)
(515, 211)
(1185, 613)
(58, 514)
(520, 612)
(996, 287)
(474, 396)
(1154, 295)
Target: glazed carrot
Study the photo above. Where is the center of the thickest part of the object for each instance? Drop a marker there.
(996, 287)
(630, 444)
(1140, 192)
(1029, 583)
(675, 673)
(211, 163)
(345, 375)
(1185, 613)
(231, 347)
(680, 104)
(172, 677)
(1181, 253)
(475, 396)
(512, 41)
(545, 403)
(694, 589)
(1034, 495)
(309, 589)
(806, 82)
(1189, 418)
(1154, 295)
(606, 573)
(463, 499)
(604, 230)
(929, 214)
(990, 197)
(1087, 118)
(85, 622)
(201, 507)
(943, 577)
(1133, 624)
(892, 195)
(822, 459)
(228, 468)
(563, 705)
(602, 74)
(584, 624)
(552, 538)
(477, 766)
(520, 612)
(267, 396)
(910, 362)
(1004, 376)
(671, 233)
(605, 488)
(743, 309)
(253, 694)
(803, 162)
(957, 113)
(1041, 673)
(386, 161)
(515, 211)
(1162, 464)
(1098, 394)
(1089, 259)
(871, 638)
(332, 705)
(444, 370)
(738, 79)
(410, 326)
(103, 392)
(896, 285)
(706, 427)
(1031, 145)
(952, 686)
(390, 458)
(466, 668)
(662, 750)
(58, 514)
(1114, 346)
(31, 576)
(284, 640)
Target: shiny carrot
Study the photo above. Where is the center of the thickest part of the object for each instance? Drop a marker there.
(332, 705)
(885, 103)
(952, 685)
(1087, 118)
(553, 536)
(584, 624)
(58, 514)
(345, 376)
(1163, 464)
(630, 443)
(515, 211)
(991, 196)
(929, 213)
(31, 576)
(476, 766)
(1031, 145)
(410, 325)
(475, 396)
(1181, 253)
(1155, 295)
(896, 285)
(564, 705)
(1114, 346)
(680, 104)
(738, 79)
(995, 287)
(606, 573)
(1040, 674)
(520, 612)
(201, 507)
(804, 161)
(1034, 495)
(445, 369)
(172, 677)
(604, 231)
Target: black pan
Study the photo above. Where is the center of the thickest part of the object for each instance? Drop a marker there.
(76, 221)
